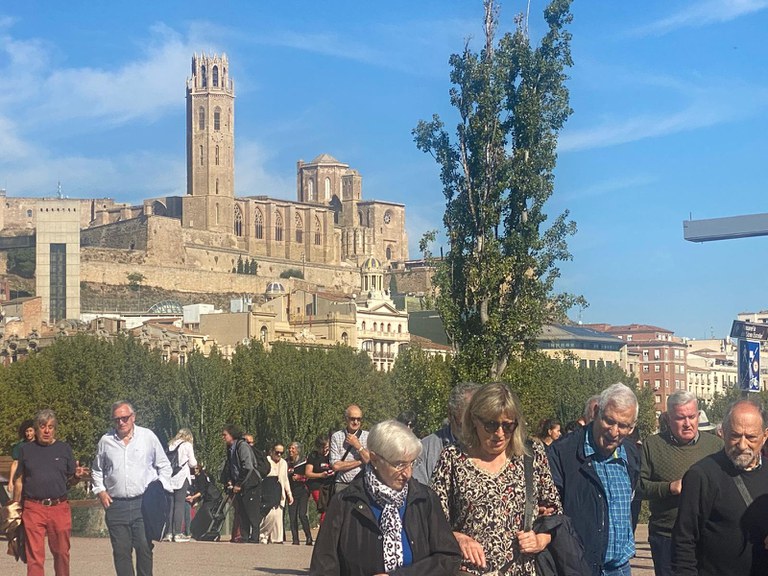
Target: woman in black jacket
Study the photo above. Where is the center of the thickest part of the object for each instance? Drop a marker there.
(386, 522)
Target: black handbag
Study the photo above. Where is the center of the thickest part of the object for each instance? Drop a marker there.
(564, 556)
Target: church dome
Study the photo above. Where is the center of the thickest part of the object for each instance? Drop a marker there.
(371, 264)
(274, 289)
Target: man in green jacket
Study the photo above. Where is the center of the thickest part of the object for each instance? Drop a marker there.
(666, 457)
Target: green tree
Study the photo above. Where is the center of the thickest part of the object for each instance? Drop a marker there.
(425, 242)
(497, 281)
(135, 280)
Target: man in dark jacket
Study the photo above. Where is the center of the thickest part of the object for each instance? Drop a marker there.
(351, 525)
(717, 531)
(239, 475)
(596, 474)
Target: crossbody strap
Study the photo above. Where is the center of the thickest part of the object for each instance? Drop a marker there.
(528, 519)
(739, 481)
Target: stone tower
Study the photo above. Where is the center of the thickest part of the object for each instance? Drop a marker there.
(210, 204)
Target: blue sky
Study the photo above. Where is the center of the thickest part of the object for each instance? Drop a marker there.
(669, 99)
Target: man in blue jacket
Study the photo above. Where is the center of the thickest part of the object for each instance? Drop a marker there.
(596, 474)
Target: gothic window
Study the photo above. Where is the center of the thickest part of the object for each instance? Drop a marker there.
(389, 252)
(217, 154)
(217, 119)
(359, 217)
(216, 214)
(204, 73)
(201, 118)
(258, 220)
(263, 334)
(299, 225)
(336, 207)
(278, 227)
(311, 190)
(318, 226)
(327, 189)
(216, 76)
(201, 154)
(238, 221)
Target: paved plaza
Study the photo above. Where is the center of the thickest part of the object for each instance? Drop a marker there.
(93, 557)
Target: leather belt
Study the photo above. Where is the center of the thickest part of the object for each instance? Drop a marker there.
(47, 501)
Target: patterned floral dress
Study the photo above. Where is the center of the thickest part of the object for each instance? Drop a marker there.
(491, 507)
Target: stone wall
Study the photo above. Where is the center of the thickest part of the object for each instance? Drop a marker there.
(413, 281)
(126, 235)
(113, 266)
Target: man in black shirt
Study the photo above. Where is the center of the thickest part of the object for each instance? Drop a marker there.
(46, 470)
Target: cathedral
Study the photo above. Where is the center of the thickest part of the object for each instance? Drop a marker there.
(328, 231)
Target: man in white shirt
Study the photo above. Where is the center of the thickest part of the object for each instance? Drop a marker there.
(348, 448)
(128, 459)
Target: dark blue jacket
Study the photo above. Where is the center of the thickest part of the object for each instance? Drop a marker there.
(582, 493)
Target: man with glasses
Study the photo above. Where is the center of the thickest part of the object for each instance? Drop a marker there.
(128, 459)
(596, 473)
(349, 452)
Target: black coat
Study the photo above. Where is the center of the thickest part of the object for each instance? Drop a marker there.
(582, 493)
(350, 543)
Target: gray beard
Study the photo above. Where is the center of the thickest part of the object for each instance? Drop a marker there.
(743, 460)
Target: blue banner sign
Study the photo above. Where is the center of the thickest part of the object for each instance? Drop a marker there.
(749, 365)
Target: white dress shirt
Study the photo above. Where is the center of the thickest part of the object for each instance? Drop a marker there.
(125, 470)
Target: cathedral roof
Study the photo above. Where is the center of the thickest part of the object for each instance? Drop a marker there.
(325, 159)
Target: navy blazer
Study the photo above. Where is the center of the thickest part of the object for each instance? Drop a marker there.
(582, 492)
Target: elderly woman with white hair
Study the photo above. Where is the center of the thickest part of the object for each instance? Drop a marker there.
(386, 522)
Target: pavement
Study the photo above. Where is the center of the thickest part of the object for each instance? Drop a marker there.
(93, 557)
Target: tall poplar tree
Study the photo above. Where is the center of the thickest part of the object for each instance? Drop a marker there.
(496, 287)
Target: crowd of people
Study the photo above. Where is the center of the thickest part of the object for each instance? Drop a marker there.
(480, 495)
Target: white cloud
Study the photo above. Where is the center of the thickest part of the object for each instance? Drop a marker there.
(252, 177)
(702, 13)
(707, 105)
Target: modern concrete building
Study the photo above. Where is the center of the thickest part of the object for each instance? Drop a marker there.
(57, 252)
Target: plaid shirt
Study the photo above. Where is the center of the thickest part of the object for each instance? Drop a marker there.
(614, 476)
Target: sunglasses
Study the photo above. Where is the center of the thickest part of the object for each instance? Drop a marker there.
(355, 418)
(123, 419)
(278, 452)
(491, 426)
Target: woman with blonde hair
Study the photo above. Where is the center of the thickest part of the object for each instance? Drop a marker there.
(481, 486)
(181, 453)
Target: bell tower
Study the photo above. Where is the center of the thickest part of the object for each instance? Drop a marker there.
(210, 145)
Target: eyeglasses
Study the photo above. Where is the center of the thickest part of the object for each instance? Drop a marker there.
(355, 418)
(121, 419)
(507, 426)
(400, 466)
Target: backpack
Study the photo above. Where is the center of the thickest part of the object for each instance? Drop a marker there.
(262, 462)
(263, 467)
(173, 458)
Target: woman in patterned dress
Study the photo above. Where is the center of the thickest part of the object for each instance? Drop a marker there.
(481, 486)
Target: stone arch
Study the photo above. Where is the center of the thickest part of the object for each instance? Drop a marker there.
(299, 225)
(278, 227)
(336, 207)
(238, 220)
(258, 224)
(159, 209)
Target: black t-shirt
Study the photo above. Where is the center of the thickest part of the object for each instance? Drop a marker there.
(319, 463)
(46, 469)
(296, 474)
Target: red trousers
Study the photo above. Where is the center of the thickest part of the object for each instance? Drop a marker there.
(52, 521)
(316, 497)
